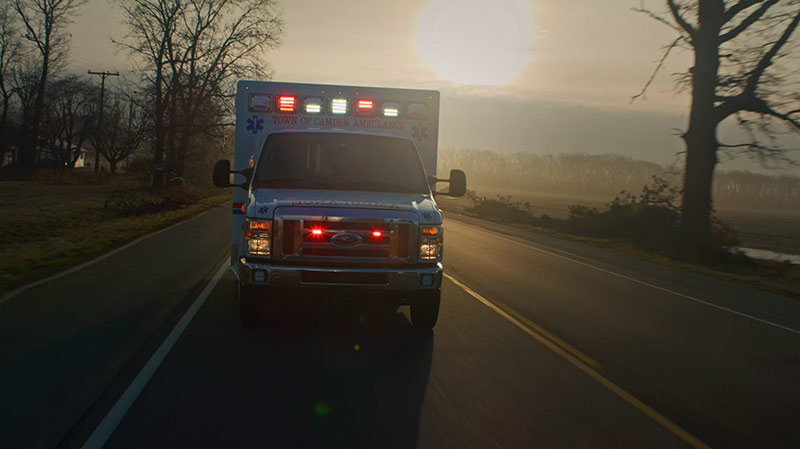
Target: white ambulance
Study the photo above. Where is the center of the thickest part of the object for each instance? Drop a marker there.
(335, 195)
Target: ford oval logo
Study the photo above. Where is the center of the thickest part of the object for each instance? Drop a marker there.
(346, 239)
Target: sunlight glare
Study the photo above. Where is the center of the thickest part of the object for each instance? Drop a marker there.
(474, 41)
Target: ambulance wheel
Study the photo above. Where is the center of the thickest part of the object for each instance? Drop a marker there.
(425, 309)
(251, 306)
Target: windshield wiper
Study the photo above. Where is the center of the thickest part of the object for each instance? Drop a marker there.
(373, 185)
(291, 182)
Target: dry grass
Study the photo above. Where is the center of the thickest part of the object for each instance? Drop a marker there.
(45, 228)
(771, 229)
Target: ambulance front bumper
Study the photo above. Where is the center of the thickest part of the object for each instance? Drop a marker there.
(398, 279)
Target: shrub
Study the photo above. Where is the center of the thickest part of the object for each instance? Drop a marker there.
(649, 220)
(502, 208)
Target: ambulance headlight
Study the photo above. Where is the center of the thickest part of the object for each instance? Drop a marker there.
(430, 243)
(258, 246)
(258, 237)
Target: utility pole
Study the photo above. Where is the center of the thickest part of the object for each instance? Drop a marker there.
(103, 76)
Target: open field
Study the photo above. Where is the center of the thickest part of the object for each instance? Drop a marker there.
(45, 228)
(777, 231)
(769, 229)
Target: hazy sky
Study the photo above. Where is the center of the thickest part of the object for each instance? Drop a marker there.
(545, 76)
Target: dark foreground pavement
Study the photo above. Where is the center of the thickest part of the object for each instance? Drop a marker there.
(62, 342)
(338, 378)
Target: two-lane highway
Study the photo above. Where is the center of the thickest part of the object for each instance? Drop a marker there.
(536, 347)
(540, 343)
(343, 379)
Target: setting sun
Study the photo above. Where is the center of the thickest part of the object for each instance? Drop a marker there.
(474, 42)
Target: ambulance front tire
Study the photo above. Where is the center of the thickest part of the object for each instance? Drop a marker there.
(425, 309)
(252, 307)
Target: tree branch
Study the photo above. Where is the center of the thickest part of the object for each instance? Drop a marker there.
(766, 60)
(673, 7)
(658, 67)
(749, 20)
(658, 18)
(760, 106)
(739, 7)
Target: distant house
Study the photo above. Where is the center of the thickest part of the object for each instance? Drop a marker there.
(47, 158)
(84, 158)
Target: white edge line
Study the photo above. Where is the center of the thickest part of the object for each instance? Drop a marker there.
(622, 276)
(107, 426)
(99, 258)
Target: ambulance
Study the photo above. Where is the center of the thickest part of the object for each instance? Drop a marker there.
(335, 197)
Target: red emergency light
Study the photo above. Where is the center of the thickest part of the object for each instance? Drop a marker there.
(377, 234)
(286, 103)
(365, 107)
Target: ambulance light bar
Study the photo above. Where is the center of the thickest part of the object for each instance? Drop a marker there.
(313, 105)
(286, 103)
(417, 111)
(339, 106)
(291, 104)
(391, 109)
(260, 103)
(365, 107)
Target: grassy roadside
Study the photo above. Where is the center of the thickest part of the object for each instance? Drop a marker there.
(46, 228)
(775, 277)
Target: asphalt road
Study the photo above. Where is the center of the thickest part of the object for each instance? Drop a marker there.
(540, 343)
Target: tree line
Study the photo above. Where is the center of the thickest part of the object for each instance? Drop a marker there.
(173, 109)
(604, 176)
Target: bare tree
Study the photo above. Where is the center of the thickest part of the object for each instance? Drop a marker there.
(192, 51)
(69, 115)
(151, 29)
(742, 70)
(24, 79)
(44, 24)
(123, 131)
(10, 56)
(224, 40)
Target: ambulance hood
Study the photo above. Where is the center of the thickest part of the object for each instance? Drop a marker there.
(263, 202)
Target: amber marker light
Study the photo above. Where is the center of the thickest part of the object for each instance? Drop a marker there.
(259, 225)
(430, 230)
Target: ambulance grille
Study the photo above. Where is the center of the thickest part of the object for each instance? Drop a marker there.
(345, 238)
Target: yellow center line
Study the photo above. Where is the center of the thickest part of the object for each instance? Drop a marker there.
(580, 361)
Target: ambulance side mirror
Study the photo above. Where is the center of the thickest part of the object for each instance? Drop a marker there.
(457, 181)
(222, 173)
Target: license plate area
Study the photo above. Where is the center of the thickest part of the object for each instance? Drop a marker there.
(346, 277)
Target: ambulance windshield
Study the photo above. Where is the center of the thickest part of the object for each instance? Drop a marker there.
(340, 161)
